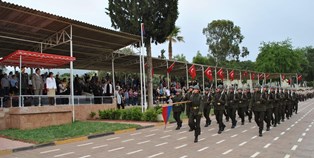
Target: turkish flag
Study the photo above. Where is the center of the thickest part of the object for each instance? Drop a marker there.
(288, 81)
(283, 76)
(209, 74)
(260, 76)
(299, 77)
(267, 76)
(192, 71)
(245, 74)
(231, 75)
(220, 73)
(170, 67)
(252, 75)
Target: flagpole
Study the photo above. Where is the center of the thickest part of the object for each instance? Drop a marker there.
(228, 77)
(251, 86)
(240, 81)
(143, 68)
(265, 78)
(167, 74)
(203, 79)
(215, 77)
(258, 78)
(141, 71)
(187, 76)
(297, 79)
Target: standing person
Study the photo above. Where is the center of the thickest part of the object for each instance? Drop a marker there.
(119, 99)
(259, 107)
(196, 112)
(126, 97)
(206, 101)
(14, 85)
(51, 88)
(5, 85)
(135, 97)
(38, 85)
(177, 108)
(269, 107)
(232, 106)
(24, 81)
(219, 107)
(108, 89)
(187, 97)
(242, 99)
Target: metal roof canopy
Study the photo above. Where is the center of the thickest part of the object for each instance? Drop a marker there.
(35, 59)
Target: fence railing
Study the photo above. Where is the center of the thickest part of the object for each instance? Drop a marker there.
(41, 100)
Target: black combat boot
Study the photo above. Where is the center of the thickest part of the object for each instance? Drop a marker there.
(178, 127)
(261, 133)
(196, 139)
(268, 129)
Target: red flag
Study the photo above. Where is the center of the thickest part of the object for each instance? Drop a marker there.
(267, 76)
(170, 67)
(231, 75)
(192, 71)
(209, 74)
(260, 76)
(299, 77)
(245, 74)
(283, 76)
(288, 81)
(252, 75)
(220, 73)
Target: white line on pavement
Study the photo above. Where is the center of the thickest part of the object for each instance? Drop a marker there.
(114, 138)
(100, 146)
(228, 130)
(167, 131)
(143, 142)
(276, 138)
(49, 151)
(288, 129)
(133, 134)
(242, 143)
(254, 155)
(181, 138)
(296, 122)
(287, 156)
(214, 135)
(253, 127)
(292, 125)
(133, 152)
(150, 135)
(155, 155)
(307, 129)
(294, 147)
(220, 142)
(226, 152)
(282, 133)
(162, 144)
(303, 134)
(253, 137)
(202, 149)
(234, 135)
(127, 140)
(69, 153)
(115, 149)
(85, 144)
(165, 136)
(300, 140)
(184, 156)
(211, 129)
(310, 126)
(181, 146)
(201, 139)
(267, 145)
(85, 156)
(182, 132)
(154, 130)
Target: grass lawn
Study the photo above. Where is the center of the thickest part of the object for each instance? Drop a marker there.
(52, 133)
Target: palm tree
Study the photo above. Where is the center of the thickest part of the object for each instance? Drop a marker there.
(174, 37)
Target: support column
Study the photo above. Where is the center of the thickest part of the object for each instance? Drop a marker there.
(203, 80)
(187, 75)
(215, 77)
(141, 81)
(168, 79)
(71, 75)
(113, 76)
(20, 98)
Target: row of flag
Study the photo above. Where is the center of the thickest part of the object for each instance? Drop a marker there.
(209, 74)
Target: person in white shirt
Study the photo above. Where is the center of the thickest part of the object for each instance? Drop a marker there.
(51, 88)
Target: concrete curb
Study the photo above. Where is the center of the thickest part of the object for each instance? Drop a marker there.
(78, 139)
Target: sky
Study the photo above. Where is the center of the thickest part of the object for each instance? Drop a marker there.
(260, 20)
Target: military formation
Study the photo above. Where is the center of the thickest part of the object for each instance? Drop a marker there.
(270, 105)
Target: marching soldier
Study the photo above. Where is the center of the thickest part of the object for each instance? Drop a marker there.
(274, 101)
(206, 101)
(248, 95)
(259, 107)
(219, 107)
(295, 101)
(232, 106)
(196, 112)
(177, 108)
(242, 99)
(287, 99)
(187, 97)
(282, 105)
(269, 107)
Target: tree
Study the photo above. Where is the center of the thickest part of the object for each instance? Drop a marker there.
(180, 57)
(204, 60)
(223, 40)
(173, 38)
(280, 57)
(162, 54)
(127, 51)
(308, 70)
(159, 17)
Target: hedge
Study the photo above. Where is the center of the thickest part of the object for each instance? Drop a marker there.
(130, 114)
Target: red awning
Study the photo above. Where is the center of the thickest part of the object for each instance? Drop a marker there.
(35, 59)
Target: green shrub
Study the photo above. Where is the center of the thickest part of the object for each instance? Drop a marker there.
(136, 114)
(150, 115)
(105, 114)
(158, 109)
(116, 114)
(92, 114)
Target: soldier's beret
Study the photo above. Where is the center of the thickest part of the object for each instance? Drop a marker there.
(191, 87)
(206, 88)
(196, 87)
(220, 87)
(240, 88)
(231, 88)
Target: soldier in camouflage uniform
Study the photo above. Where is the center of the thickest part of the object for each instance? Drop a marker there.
(287, 101)
(232, 106)
(196, 112)
(248, 95)
(274, 101)
(269, 107)
(206, 101)
(282, 106)
(259, 107)
(295, 101)
(177, 108)
(241, 97)
(219, 100)
(187, 97)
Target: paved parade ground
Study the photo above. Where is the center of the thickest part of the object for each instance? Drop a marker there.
(293, 138)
